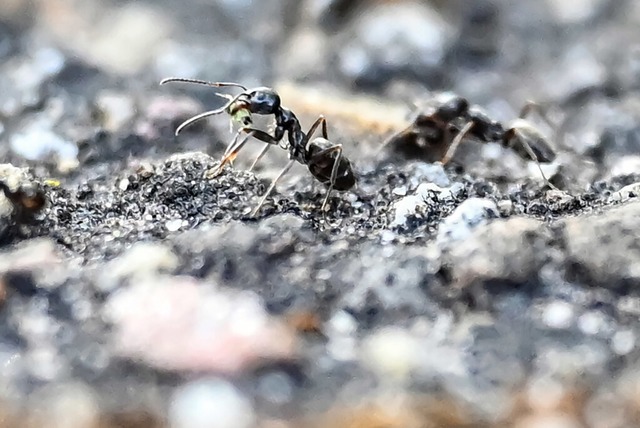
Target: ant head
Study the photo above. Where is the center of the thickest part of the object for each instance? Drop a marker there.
(450, 106)
(263, 100)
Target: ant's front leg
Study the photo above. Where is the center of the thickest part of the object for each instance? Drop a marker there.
(232, 150)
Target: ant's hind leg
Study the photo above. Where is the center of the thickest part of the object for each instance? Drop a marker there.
(456, 142)
(334, 169)
(272, 186)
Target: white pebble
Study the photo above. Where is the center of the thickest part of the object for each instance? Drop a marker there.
(173, 225)
(623, 342)
(558, 315)
(210, 403)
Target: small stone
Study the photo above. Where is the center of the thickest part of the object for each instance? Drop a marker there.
(627, 192)
(37, 141)
(123, 184)
(623, 342)
(210, 403)
(603, 247)
(505, 207)
(67, 406)
(393, 353)
(141, 261)
(513, 249)
(116, 109)
(467, 216)
(178, 324)
(419, 203)
(558, 315)
(400, 191)
(173, 225)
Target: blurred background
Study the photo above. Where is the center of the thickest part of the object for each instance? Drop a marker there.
(79, 99)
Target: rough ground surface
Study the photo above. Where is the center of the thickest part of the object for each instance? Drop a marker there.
(468, 296)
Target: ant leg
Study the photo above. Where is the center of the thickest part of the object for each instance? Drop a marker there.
(532, 106)
(262, 136)
(272, 186)
(262, 153)
(534, 157)
(334, 170)
(232, 152)
(320, 121)
(394, 137)
(456, 142)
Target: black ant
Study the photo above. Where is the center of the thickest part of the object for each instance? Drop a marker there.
(445, 115)
(324, 159)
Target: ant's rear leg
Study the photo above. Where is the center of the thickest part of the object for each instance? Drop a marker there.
(456, 142)
(334, 169)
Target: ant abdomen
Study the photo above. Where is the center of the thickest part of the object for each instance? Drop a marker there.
(322, 156)
(522, 134)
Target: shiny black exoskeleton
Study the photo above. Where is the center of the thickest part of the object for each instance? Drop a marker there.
(323, 158)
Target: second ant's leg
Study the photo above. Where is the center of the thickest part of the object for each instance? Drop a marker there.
(531, 153)
(456, 142)
(532, 106)
(272, 186)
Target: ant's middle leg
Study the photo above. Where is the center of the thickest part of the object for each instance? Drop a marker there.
(262, 136)
(334, 170)
(319, 121)
(456, 142)
(272, 186)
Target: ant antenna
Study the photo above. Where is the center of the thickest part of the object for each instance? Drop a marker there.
(202, 82)
(200, 116)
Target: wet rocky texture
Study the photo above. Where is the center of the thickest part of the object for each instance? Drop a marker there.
(469, 295)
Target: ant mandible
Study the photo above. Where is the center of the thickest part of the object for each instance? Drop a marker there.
(323, 158)
(447, 114)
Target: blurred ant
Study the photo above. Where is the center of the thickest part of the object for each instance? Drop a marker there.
(27, 200)
(324, 159)
(445, 115)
